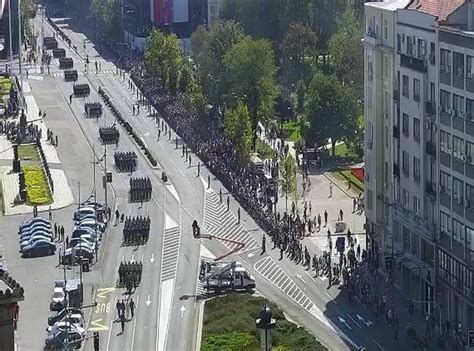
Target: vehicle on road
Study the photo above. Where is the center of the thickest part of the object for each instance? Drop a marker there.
(227, 276)
(62, 314)
(39, 248)
(58, 300)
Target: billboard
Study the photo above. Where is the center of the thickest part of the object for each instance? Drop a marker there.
(169, 11)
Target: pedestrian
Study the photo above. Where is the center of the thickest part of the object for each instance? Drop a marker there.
(117, 216)
(220, 195)
(62, 232)
(341, 215)
(325, 218)
(209, 181)
(176, 142)
(228, 203)
(122, 217)
(128, 310)
(56, 140)
(263, 244)
(319, 221)
(133, 112)
(310, 207)
(117, 305)
(189, 161)
(238, 215)
(59, 263)
(132, 307)
(122, 321)
(55, 230)
(354, 204)
(67, 241)
(330, 189)
(50, 214)
(199, 168)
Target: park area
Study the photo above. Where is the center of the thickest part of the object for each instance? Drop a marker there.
(229, 324)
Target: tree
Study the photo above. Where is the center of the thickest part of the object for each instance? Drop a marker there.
(250, 77)
(108, 14)
(163, 57)
(298, 51)
(331, 109)
(323, 18)
(238, 130)
(347, 52)
(288, 177)
(198, 40)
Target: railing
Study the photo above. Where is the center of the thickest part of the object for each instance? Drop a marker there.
(413, 63)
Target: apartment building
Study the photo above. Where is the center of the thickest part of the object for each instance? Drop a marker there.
(419, 95)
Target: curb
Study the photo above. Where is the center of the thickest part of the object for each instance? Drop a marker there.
(336, 182)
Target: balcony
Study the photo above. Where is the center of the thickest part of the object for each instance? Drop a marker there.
(396, 170)
(430, 148)
(372, 37)
(413, 63)
(396, 132)
(430, 107)
(430, 189)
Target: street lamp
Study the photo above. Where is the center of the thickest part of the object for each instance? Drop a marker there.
(265, 324)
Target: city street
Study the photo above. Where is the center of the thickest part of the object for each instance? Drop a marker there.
(167, 301)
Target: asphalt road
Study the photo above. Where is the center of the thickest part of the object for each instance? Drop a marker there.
(166, 304)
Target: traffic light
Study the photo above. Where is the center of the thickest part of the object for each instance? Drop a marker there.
(96, 341)
(196, 229)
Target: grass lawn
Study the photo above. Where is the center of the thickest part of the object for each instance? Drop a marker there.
(343, 151)
(292, 131)
(37, 189)
(28, 152)
(264, 150)
(229, 324)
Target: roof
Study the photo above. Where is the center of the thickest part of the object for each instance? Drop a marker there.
(389, 5)
(439, 8)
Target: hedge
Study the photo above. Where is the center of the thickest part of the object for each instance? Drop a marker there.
(37, 190)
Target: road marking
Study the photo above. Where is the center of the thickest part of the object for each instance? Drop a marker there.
(110, 333)
(330, 297)
(98, 326)
(152, 258)
(181, 311)
(102, 292)
(165, 309)
(376, 343)
(343, 321)
(299, 276)
(173, 192)
(323, 278)
(134, 323)
(148, 301)
(348, 315)
(310, 276)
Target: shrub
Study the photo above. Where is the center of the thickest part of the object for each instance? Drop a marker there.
(37, 190)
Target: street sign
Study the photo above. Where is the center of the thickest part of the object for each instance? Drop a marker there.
(470, 338)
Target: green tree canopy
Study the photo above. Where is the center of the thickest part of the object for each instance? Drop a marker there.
(331, 109)
(108, 14)
(298, 52)
(163, 57)
(238, 130)
(288, 176)
(347, 51)
(250, 77)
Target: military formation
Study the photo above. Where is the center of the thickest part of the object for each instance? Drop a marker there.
(71, 75)
(93, 109)
(109, 135)
(130, 275)
(140, 189)
(66, 63)
(80, 90)
(136, 230)
(126, 161)
(59, 53)
(50, 43)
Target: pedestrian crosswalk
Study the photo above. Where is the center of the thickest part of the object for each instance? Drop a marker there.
(169, 258)
(270, 270)
(222, 223)
(81, 73)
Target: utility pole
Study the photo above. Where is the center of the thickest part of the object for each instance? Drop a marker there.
(20, 44)
(43, 9)
(10, 34)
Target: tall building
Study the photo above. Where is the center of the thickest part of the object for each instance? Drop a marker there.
(419, 95)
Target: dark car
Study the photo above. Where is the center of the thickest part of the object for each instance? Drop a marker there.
(62, 314)
(82, 251)
(39, 248)
(57, 340)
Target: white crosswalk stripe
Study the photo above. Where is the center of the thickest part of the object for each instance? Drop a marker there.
(169, 259)
(81, 73)
(269, 269)
(222, 223)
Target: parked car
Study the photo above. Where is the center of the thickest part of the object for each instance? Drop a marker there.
(39, 248)
(34, 238)
(32, 221)
(97, 205)
(58, 300)
(84, 211)
(79, 252)
(91, 223)
(35, 226)
(63, 325)
(78, 231)
(28, 235)
(82, 242)
(62, 314)
(55, 341)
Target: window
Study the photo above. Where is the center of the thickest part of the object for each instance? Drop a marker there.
(405, 124)
(370, 68)
(369, 96)
(432, 92)
(445, 142)
(458, 105)
(457, 230)
(405, 87)
(445, 222)
(385, 29)
(406, 198)
(445, 182)
(458, 64)
(469, 152)
(469, 196)
(469, 109)
(386, 103)
(416, 89)
(386, 66)
(445, 61)
(421, 48)
(406, 163)
(411, 46)
(445, 101)
(458, 190)
(469, 237)
(406, 238)
(432, 53)
(416, 168)
(415, 244)
(458, 148)
(416, 205)
(399, 42)
(416, 129)
(469, 67)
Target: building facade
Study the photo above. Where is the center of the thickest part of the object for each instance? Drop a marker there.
(419, 152)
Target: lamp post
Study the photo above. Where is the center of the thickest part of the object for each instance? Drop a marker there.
(10, 35)
(19, 44)
(265, 324)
